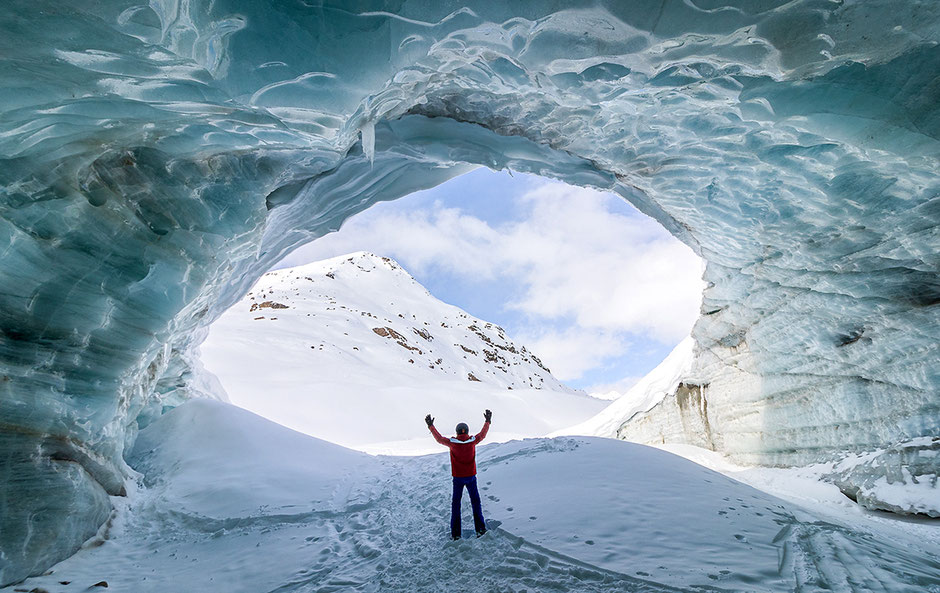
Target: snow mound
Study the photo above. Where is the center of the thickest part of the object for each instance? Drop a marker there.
(220, 461)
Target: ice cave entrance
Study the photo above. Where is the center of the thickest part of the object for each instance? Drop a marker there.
(538, 293)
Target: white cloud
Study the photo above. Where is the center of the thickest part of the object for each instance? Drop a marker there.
(603, 269)
(573, 351)
(591, 275)
(441, 238)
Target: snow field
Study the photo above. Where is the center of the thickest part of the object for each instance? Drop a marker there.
(233, 502)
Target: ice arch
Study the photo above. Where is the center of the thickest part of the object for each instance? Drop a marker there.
(157, 158)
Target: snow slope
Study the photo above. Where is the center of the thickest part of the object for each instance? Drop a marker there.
(233, 502)
(354, 350)
(648, 391)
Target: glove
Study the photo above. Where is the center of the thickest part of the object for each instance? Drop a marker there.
(429, 420)
(488, 415)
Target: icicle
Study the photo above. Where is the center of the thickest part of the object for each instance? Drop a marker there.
(368, 141)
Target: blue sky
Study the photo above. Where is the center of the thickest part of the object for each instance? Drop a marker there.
(599, 291)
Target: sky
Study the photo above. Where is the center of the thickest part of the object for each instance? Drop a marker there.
(599, 291)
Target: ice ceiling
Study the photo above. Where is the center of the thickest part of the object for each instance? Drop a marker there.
(156, 159)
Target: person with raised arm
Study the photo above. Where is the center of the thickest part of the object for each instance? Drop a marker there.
(463, 466)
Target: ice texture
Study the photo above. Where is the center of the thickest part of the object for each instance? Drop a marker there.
(156, 159)
(901, 479)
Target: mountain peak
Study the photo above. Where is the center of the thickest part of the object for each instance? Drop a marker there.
(362, 303)
(363, 260)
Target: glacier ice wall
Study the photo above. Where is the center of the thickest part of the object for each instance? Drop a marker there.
(155, 159)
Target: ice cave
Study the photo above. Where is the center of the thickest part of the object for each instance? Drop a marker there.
(158, 158)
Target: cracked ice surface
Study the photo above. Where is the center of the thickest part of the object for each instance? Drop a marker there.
(157, 159)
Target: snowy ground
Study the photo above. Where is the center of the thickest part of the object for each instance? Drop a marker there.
(807, 487)
(233, 502)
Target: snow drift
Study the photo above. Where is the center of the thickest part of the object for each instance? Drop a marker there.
(156, 159)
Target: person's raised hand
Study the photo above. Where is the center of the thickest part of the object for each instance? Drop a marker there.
(429, 420)
(488, 415)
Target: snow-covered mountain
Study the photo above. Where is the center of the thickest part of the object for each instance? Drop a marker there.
(370, 308)
(360, 328)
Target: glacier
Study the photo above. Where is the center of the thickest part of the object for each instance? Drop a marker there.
(156, 159)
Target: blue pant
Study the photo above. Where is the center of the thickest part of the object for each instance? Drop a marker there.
(478, 523)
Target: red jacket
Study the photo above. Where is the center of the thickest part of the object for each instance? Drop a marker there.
(463, 451)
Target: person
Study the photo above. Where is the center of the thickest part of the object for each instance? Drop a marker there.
(463, 468)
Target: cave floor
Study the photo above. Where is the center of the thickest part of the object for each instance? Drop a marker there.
(231, 502)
